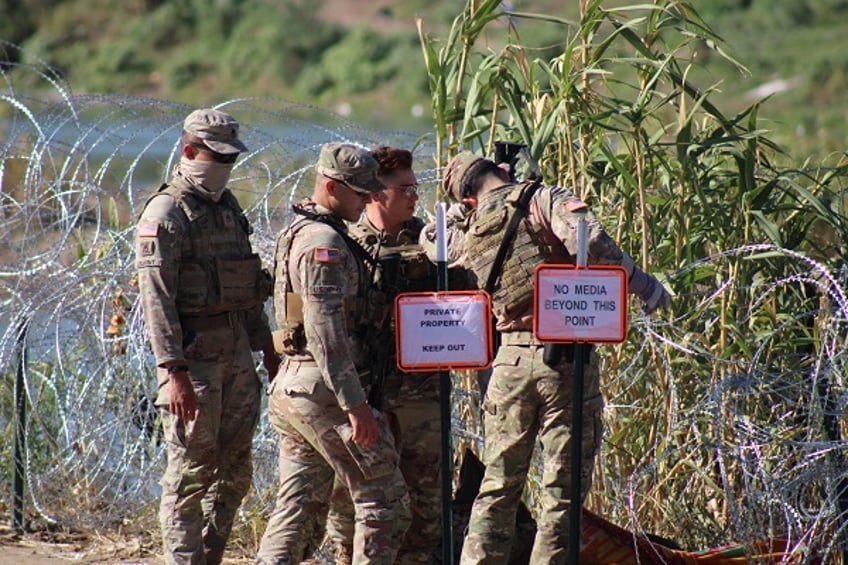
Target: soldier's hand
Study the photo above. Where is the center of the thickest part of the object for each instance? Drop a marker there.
(183, 400)
(457, 213)
(652, 292)
(364, 424)
(659, 298)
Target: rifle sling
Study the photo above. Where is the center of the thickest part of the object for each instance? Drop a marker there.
(522, 206)
(354, 245)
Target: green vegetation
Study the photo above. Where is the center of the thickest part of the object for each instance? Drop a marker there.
(616, 115)
(206, 51)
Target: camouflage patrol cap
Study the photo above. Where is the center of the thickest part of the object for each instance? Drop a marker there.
(352, 165)
(218, 130)
(455, 173)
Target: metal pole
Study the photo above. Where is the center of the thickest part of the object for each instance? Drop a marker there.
(576, 508)
(444, 400)
(19, 471)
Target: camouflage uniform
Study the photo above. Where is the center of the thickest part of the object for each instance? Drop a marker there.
(321, 291)
(202, 291)
(411, 404)
(527, 400)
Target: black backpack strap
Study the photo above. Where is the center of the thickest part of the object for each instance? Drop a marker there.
(522, 206)
(354, 245)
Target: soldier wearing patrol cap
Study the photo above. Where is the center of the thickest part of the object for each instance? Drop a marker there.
(202, 290)
(526, 399)
(324, 305)
(389, 228)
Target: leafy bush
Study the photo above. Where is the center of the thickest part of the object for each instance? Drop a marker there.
(275, 42)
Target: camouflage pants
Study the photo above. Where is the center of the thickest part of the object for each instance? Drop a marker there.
(527, 400)
(209, 465)
(309, 420)
(413, 413)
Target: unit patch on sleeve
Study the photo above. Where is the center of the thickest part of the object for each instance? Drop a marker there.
(147, 247)
(148, 228)
(327, 255)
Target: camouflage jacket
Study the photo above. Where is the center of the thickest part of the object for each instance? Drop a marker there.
(315, 268)
(195, 265)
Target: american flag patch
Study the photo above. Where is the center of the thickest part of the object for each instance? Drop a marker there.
(327, 254)
(148, 228)
(574, 205)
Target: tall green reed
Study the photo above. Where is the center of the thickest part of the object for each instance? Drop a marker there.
(614, 116)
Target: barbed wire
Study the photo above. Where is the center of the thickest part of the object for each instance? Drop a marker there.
(754, 436)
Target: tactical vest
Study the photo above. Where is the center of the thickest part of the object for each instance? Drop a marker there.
(290, 339)
(218, 271)
(533, 245)
(417, 272)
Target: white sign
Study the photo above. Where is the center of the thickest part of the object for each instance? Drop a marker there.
(580, 304)
(443, 330)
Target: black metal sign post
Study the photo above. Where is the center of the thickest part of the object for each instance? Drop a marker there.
(19, 472)
(576, 510)
(445, 401)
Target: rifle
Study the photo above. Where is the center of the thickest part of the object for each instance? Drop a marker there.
(383, 344)
(510, 153)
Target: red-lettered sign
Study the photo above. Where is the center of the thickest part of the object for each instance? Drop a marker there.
(580, 304)
(443, 330)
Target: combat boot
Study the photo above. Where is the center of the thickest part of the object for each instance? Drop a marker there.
(330, 552)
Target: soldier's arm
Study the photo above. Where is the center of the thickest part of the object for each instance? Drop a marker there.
(327, 273)
(258, 328)
(158, 237)
(258, 331)
(259, 334)
(457, 220)
(565, 210)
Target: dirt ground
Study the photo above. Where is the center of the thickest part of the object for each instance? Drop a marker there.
(27, 551)
(40, 548)
(43, 548)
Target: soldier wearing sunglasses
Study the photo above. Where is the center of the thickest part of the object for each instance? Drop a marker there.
(202, 289)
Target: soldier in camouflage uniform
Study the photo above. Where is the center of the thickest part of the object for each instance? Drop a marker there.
(411, 400)
(324, 307)
(526, 399)
(202, 291)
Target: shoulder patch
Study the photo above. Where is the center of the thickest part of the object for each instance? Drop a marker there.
(327, 255)
(148, 228)
(147, 247)
(575, 205)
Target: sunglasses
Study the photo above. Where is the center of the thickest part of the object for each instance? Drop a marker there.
(406, 189)
(226, 158)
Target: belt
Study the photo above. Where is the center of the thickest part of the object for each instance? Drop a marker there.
(527, 339)
(519, 338)
(200, 323)
(296, 364)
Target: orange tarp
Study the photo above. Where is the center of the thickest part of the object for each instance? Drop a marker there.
(604, 543)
